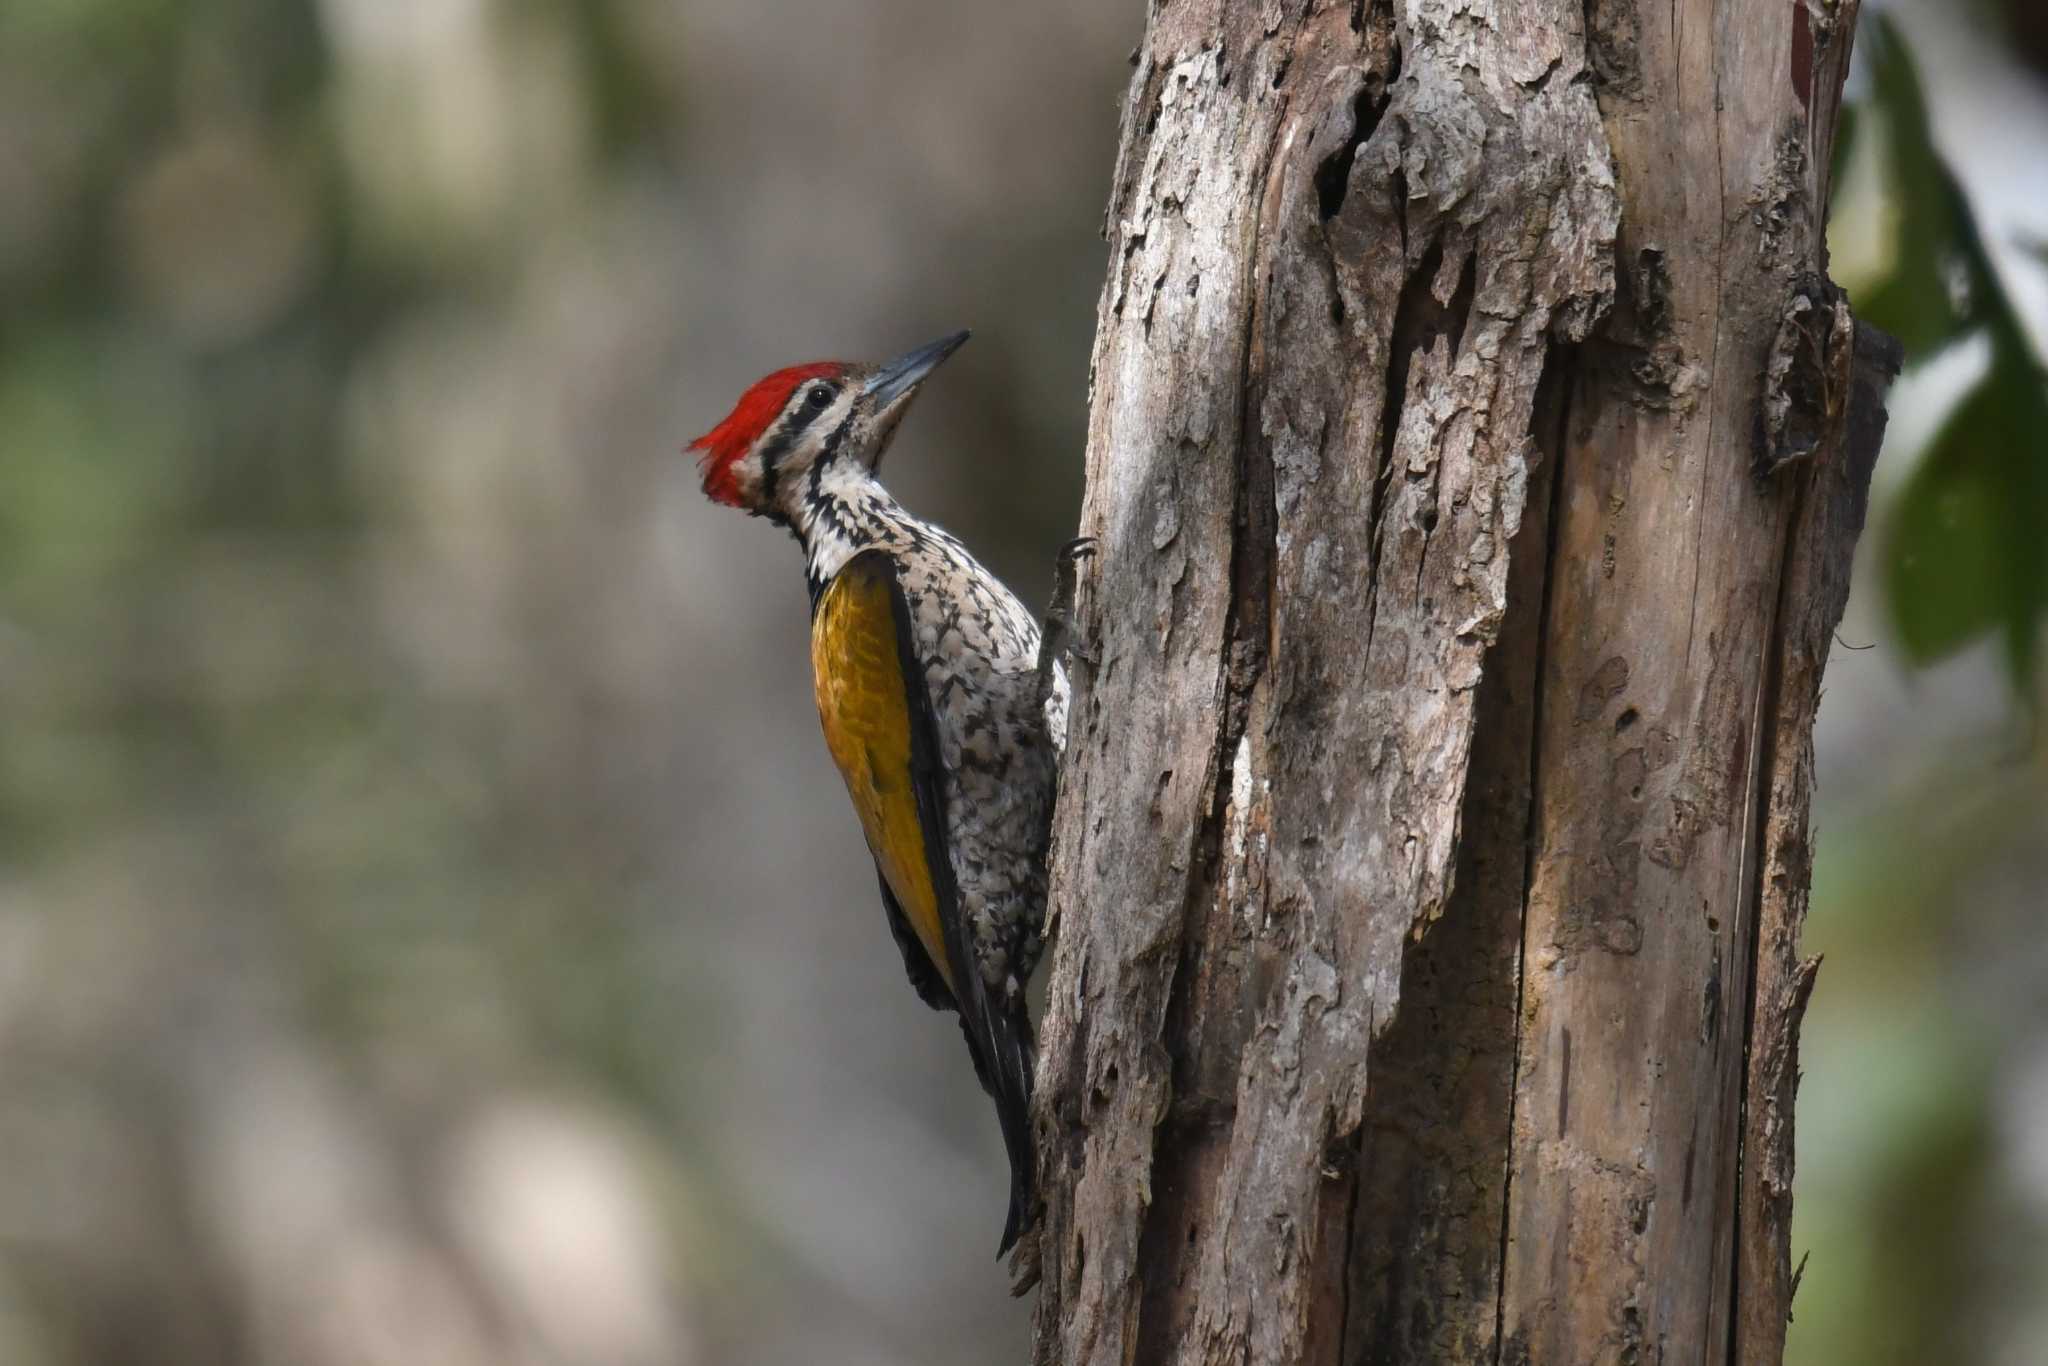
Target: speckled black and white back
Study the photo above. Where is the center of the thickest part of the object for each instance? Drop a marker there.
(978, 648)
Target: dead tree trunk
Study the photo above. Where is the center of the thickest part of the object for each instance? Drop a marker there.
(1476, 467)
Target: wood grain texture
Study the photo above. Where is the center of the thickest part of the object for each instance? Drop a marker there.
(1410, 853)
(1816, 588)
(1667, 599)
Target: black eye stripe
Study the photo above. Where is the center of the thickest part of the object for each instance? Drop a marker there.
(801, 414)
(809, 404)
(832, 442)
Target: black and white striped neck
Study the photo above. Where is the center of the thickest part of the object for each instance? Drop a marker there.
(840, 512)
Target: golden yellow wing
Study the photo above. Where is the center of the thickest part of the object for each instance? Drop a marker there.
(877, 720)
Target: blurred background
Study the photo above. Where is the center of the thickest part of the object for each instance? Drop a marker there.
(430, 928)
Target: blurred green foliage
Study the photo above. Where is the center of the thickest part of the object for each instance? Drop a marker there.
(423, 928)
(1965, 543)
(1921, 1213)
(243, 816)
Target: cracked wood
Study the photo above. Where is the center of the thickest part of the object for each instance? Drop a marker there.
(1434, 674)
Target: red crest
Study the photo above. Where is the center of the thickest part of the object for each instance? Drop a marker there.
(725, 444)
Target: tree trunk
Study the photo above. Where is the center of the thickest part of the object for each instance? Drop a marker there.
(1476, 471)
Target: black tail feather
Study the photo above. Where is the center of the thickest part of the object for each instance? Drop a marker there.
(1003, 1061)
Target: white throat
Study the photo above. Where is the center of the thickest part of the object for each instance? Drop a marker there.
(837, 515)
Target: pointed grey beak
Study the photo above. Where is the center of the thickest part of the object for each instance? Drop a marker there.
(902, 375)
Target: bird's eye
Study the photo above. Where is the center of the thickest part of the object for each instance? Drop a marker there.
(820, 396)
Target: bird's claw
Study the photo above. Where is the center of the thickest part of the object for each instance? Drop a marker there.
(1061, 628)
(1061, 636)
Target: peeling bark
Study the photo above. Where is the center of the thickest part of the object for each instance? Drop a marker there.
(1440, 774)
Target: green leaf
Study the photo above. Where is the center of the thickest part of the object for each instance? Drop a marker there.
(1846, 120)
(1937, 233)
(1966, 552)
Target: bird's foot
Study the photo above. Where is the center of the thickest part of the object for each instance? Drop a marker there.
(1058, 639)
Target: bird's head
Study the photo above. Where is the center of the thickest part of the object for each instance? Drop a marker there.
(796, 427)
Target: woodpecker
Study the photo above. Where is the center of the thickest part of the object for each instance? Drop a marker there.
(943, 704)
